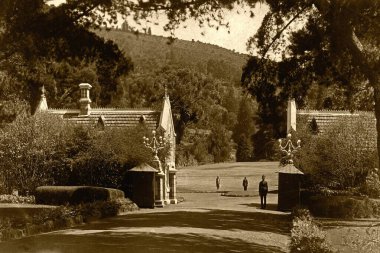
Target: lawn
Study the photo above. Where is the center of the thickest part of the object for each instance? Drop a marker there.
(202, 178)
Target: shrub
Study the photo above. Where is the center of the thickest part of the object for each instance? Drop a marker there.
(340, 157)
(61, 217)
(61, 195)
(7, 198)
(306, 236)
(371, 187)
(45, 150)
(27, 147)
(342, 207)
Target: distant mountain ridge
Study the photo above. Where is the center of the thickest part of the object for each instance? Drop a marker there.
(150, 52)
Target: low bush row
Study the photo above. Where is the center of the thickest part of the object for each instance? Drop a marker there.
(61, 217)
(74, 195)
(347, 207)
(306, 235)
(14, 199)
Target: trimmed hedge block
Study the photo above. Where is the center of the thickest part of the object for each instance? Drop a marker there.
(73, 195)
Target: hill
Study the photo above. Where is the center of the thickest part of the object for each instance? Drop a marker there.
(150, 52)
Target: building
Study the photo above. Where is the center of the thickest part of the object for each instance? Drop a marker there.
(322, 119)
(160, 121)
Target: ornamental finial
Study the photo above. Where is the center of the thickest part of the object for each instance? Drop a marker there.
(289, 149)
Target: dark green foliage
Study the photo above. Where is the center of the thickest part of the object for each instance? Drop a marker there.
(73, 195)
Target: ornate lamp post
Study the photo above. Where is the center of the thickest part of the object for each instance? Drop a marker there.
(155, 145)
(289, 176)
(289, 149)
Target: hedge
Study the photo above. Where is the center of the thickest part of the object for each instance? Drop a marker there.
(73, 195)
(344, 207)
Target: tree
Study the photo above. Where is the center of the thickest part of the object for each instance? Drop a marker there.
(244, 151)
(244, 129)
(338, 40)
(34, 37)
(219, 144)
(337, 37)
(194, 96)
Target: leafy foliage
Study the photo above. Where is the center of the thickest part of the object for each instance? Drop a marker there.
(306, 236)
(244, 130)
(44, 150)
(338, 158)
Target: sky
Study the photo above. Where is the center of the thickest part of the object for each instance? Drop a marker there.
(242, 26)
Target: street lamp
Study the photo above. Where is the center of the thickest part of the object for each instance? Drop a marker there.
(289, 149)
(155, 145)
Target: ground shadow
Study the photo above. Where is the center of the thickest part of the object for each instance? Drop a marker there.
(211, 219)
(147, 240)
(272, 207)
(135, 242)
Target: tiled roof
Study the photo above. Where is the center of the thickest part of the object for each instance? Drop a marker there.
(111, 117)
(325, 118)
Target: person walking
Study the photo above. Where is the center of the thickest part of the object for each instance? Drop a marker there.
(217, 183)
(263, 190)
(245, 183)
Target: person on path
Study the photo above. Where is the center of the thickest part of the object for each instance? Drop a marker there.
(245, 183)
(263, 190)
(217, 183)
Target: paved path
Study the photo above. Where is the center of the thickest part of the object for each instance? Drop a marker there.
(204, 222)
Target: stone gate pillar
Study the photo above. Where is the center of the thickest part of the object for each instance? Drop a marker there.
(173, 185)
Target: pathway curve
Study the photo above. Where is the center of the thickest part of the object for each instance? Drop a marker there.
(204, 222)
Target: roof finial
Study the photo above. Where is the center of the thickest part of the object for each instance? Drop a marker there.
(166, 91)
(43, 91)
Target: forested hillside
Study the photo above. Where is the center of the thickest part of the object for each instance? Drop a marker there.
(203, 82)
(150, 52)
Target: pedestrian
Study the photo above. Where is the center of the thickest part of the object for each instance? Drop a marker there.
(245, 183)
(217, 183)
(263, 190)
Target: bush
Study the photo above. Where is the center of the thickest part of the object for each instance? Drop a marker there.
(61, 217)
(371, 187)
(340, 157)
(14, 199)
(343, 207)
(45, 150)
(61, 195)
(306, 236)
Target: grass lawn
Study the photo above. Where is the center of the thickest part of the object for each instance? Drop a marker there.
(202, 178)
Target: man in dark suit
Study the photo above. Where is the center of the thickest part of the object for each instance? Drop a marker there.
(263, 190)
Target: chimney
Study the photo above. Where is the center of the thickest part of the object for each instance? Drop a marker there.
(85, 101)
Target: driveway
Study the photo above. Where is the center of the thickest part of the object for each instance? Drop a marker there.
(204, 222)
